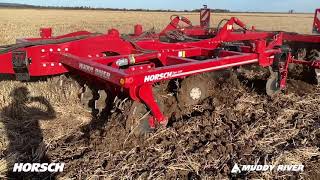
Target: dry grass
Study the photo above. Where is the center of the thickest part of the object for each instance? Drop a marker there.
(25, 23)
(18, 132)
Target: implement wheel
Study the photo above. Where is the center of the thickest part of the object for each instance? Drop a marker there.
(273, 86)
(194, 90)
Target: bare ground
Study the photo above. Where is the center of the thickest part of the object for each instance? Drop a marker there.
(239, 124)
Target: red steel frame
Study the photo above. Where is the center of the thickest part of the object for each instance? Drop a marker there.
(316, 22)
(149, 60)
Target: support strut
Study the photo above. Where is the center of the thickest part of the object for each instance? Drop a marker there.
(145, 94)
(279, 72)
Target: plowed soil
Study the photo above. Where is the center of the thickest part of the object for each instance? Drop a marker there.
(239, 124)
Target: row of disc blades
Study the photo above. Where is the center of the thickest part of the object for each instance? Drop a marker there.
(93, 100)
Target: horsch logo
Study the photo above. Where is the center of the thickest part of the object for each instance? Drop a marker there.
(38, 167)
(160, 76)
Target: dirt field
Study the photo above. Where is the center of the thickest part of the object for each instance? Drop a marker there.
(26, 23)
(238, 124)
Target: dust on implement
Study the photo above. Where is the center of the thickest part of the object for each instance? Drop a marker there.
(160, 70)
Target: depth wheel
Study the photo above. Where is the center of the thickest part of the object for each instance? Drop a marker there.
(194, 90)
(273, 86)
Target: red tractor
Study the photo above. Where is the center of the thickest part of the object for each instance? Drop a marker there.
(135, 65)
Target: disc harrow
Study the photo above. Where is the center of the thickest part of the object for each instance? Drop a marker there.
(160, 73)
(86, 97)
(101, 103)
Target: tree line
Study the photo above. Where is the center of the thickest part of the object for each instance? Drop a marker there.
(25, 6)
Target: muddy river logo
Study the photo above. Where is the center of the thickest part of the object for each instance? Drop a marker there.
(262, 168)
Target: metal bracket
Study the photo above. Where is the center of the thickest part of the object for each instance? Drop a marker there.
(281, 64)
(20, 65)
(146, 95)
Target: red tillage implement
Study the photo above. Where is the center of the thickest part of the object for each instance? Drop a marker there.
(133, 64)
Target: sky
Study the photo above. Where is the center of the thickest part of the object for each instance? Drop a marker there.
(234, 5)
